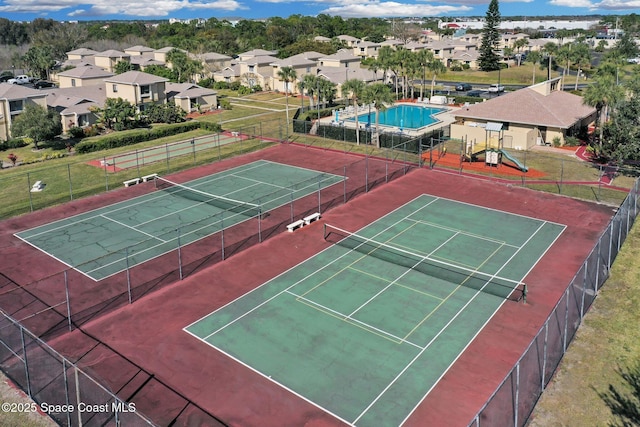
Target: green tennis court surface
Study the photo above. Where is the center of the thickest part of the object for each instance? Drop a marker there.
(106, 241)
(162, 152)
(366, 328)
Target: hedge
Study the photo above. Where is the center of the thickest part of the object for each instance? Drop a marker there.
(133, 137)
(12, 143)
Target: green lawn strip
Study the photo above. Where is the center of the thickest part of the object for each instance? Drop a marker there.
(608, 338)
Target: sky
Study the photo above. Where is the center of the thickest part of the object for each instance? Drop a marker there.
(84, 10)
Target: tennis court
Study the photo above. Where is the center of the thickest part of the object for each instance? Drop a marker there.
(366, 328)
(163, 152)
(108, 240)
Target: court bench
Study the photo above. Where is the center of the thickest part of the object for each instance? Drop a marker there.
(310, 218)
(295, 225)
(130, 182)
(150, 177)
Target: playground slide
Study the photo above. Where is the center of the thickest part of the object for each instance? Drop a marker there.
(519, 165)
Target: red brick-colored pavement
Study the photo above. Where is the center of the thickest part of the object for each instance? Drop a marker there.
(142, 351)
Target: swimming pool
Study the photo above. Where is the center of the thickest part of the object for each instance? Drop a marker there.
(402, 116)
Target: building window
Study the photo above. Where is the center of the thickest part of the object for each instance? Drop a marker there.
(115, 88)
(251, 68)
(83, 120)
(145, 91)
(73, 82)
(16, 106)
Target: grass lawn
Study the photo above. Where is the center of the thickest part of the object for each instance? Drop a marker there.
(608, 338)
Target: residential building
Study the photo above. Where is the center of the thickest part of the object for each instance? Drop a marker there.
(13, 100)
(537, 115)
(83, 76)
(137, 87)
(191, 97)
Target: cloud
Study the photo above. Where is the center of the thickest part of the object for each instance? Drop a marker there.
(572, 3)
(118, 7)
(383, 9)
(618, 4)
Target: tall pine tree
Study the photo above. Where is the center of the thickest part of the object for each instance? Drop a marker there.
(489, 60)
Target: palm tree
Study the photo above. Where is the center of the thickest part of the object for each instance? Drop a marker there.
(287, 75)
(565, 54)
(379, 95)
(436, 67)
(534, 57)
(601, 94)
(354, 87)
(309, 81)
(581, 58)
(424, 58)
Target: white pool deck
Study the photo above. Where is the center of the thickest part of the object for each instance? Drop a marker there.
(444, 118)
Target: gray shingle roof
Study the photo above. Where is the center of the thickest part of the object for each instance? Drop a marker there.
(527, 106)
(135, 77)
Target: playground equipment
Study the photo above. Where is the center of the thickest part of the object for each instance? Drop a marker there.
(492, 148)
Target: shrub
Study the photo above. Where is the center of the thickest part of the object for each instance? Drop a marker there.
(134, 137)
(556, 141)
(225, 104)
(571, 141)
(76, 132)
(221, 85)
(244, 90)
(13, 143)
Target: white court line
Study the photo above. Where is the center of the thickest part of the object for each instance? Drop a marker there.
(111, 208)
(460, 311)
(465, 233)
(226, 218)
(403, 274)
(132, 228)
(349, 318)
(299, 281)
(268, 377)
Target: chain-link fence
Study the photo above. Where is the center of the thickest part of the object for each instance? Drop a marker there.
(70, 181)
(559, 174)
(514, 400)
(59, 387)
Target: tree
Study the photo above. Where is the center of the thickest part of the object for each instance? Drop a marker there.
(310, 84)
(118, 114)
(625, 407)
(626, 46)
(534, 57)
(489, 60)
(38, 123)
(287, 75)
(379, 95)
(355, 88)
(164, 113)
(424, 58)
(581, 59)
(40, 60)
(601, 94)
(621, 140)
(123, 67)
(436, 67)
(183, 65)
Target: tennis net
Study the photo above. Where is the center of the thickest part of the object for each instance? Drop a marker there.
(179, 190)
(454, 274)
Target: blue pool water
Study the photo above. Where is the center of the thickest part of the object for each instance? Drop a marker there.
(402, 116)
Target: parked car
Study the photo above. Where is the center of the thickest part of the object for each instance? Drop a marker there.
(5, 77)
(496, 88)
(460, 87)
(43, 83)
(475, 93)
(22, 79)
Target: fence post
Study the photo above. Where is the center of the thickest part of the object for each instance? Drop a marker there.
(66, 389)
(179, 254)
(26, 363)
(566, 321)
(126, 257)
(70, 183)
(344, 184)
(517, 398)
(222, 233)
(66, 292)
(29, 190)
(544, 353)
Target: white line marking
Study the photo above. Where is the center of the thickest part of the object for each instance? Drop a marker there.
(122, 224)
